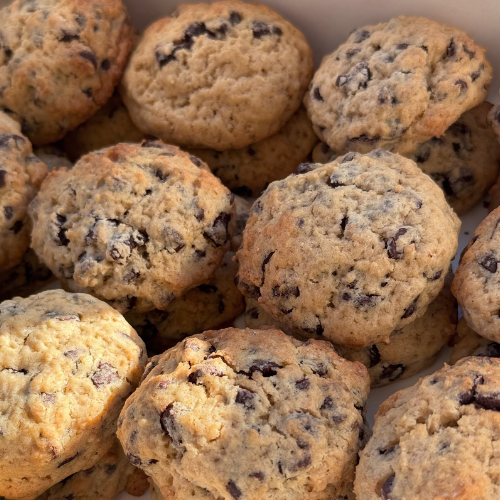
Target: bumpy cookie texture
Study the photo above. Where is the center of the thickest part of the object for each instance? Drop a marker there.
(477, 280)
(469, 343)
(135, 225)
(26, 278)
(204, 307)
(67, 364)
(103, 481)
(250, 170)
(21, 174)
(247, 414)
(219, 76)
(464, 161)
(60, 61)
(109, 126)
(351, 250)
(395, 85)
(438, 439)
(410, 350)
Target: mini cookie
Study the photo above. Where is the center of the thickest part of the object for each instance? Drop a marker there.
(464, 161)
(21, 174)
(135, 225)
(409, 351)
(395, 85)
(206, 306)
(477, 280)
(469, 343)
(437, 439)
(219, 76)
(351, 250)
(53, 157)
(250, 170)
(67, 364)
(251, 414)
(243, 207)
(26, 278)
(60, 61)
(106, 479)
(109, 126)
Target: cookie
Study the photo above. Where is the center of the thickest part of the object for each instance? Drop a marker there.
(494, 119)
(217, 76)
(477, 280)
(464, 162)
(21, 174)
(60, 61)
(351, 250)
(26, 278)
(204, 307)
(252, 414)
(469, 343)
(109, 126)
(106, 479)
(135, 225)
(396, 85)
(67, 364)
(250, 170)
(409, 351)
(437, 439)
(53, 157)
(243, 207)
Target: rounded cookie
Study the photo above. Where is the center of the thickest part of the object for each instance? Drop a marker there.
(409, 351)
(395, 85)
(21, 174)
(464, 162)
(247, 414)
(136, 225)
(351, 250)
(437, 439)
(109, 126)
(250, 170)
(204, 307)
(67, 364)
(469, 343)
(218, 76)
(60, 61)
(477, 280)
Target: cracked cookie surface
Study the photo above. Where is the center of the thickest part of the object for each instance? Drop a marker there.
(67, 364)
(21, 174)
(437, 439)
(477, 281)
(60, 61)
(250, 170)
(219, 76)
(395, 85)
(247, 414)
(136, 225)
(351, 250)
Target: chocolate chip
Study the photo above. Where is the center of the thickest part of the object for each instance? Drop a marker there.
(387, 451)
(265, 367)
(343, 225)
(347, 158)
(489, 401)
(303, 168)
(467, 398)
(361, 35)
(402, 46)
(363, 138)
(328, 404)
(392, 372)
(387, 487)
(167, 422)
(163, 59)
(451, 50)
(374, 355)
(234, 18)
(258, 475)
(88, 92)
(68, 460)
(435, 276)
(245, 398)
(474, 76)
(391, 244)
(134, 460)
(18, 225)
(250, 290)
(132, 275)
(303, 384)
(351, 53)
(357, 78)
(8, 212)
(410, 309)
(463, 86)
(105, 375)
(260, 29)
(195, 29)
(174, 242)
(89, 56)
(233, 490)
(285, 291)
(3, 174)
(317, 94)
(194, 376)
(218, 233)
(489, 263)
(80, 20)
(196, 161)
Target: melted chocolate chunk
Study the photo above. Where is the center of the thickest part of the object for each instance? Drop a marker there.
(463, 86)
(303, 384)
(174, 242)
(361, 35)
(303, 168)
(67, 36)
(357, 78)
(392, 372)
(286, 291)
(260, 29)
(234, 18)
(105, 375)
(89, 56)
(245, 398)
(167, 422)
(194, 377)
(218, 233)
(328, 404)
(134, 460)
(410, 309)
(467, 398)
(196, 161)
(391, 244)
(365, 139)
(18, 225)
(267, 368)
(489, 263)
(451, 50)
(233, 489)
(374, 355)
(3, 175)
(387, 487)
(68, 460)
(258, 475)
(251, 291)
(317, 95)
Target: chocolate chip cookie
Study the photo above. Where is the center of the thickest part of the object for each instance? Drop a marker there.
(109, 126)
(250, 170)
(135, 225)
(409, 351)
(60, 61)
(464, 162)
(217, 76)
(247, 414)
(351, 250)
(21, 174)
(477, 280)
(437, 439)
(67, 364)
(395, 85)
(206, 306)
